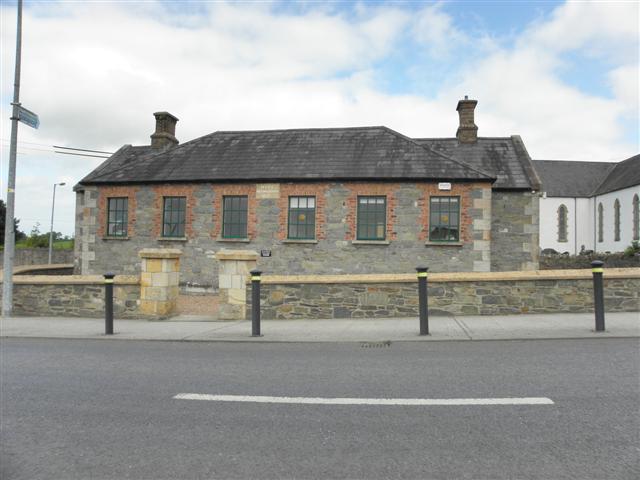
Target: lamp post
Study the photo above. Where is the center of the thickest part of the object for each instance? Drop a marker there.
(53, 206)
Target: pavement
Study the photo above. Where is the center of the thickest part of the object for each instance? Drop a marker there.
(441, 328)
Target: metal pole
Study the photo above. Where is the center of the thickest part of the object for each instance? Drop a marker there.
(255, 303)
(9, 227)
(598, 293)
(53, 206)
(423, 300)
(108, 303)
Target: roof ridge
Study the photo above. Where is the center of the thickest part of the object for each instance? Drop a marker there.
(610, 170)
(455, 160)
(308, 129)
(518, 144)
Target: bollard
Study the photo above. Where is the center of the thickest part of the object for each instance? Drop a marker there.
(423, 300)
(255, 303)
(108, 303)
(598, 293)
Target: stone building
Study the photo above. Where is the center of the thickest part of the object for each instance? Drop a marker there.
(313, 201)
(589, 205)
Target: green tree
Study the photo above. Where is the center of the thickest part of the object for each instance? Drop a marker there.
(3, 214)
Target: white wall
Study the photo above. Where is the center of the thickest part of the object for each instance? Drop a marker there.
(578, 233)
(625, 197)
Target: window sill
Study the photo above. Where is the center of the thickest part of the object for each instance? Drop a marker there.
(233, 240)
(106, 237)
(444, 244)
(292, 240)
(172, 239)
(370, 242)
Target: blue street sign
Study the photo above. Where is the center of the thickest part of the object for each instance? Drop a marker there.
(28, 117)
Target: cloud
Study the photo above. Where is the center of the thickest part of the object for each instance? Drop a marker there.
(95, 73)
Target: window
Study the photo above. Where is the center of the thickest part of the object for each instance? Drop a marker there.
(562, 223)
(444, 221)
(600, 223)
(616, 220)
(173, 216)
(302, 218)
(117, 217)
(234, 213)
(636, 217)
(372, 218)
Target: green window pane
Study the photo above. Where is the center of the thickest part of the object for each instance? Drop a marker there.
(302, 218)
(174, 214)
(234, 216)
(371, 218)
(117, 217)
(444, 219)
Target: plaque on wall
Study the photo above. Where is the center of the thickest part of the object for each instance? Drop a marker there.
(265, 253)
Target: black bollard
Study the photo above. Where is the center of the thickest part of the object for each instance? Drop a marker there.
(423, 300)
(255, 303)
(598, 293)
(108, 303)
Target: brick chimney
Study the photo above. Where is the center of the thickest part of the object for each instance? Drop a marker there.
(467, 130)
(165, 134)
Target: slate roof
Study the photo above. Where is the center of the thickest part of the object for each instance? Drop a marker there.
(505, 158)
(363, 153)
(624, 174)
(564, 178)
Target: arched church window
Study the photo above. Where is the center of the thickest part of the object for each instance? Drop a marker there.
(562, 223)
(616, 220)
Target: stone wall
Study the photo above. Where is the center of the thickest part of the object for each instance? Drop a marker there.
(376, 296)
(515, 233)
(335, 251)
(74, 296)
(39, 256)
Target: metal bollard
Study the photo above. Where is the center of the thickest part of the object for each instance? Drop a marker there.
(423, 300)
(598, 293)
(108, 303)
(255, 303)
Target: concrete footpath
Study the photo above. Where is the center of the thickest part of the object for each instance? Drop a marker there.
(506, 327)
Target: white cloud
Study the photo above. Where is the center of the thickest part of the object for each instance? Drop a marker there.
(95, 73)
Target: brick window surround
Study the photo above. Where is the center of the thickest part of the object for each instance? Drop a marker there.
(104, 193)
(169, 190)
(461, 190)
(371, 190)
(221, 191)
(287, 190)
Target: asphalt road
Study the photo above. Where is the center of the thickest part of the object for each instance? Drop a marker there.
(79, 409)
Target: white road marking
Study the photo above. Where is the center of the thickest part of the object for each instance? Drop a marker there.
(367, 401)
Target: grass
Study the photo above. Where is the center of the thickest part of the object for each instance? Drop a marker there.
(57, 245)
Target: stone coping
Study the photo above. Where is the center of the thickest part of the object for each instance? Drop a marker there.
(581, 274)
(160, 253)
(73, 280)
(225, 254)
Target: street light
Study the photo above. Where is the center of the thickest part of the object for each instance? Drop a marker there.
(53, 206)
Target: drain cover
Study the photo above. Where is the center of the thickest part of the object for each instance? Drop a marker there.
(386, 343)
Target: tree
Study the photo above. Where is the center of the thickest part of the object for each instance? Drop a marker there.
(3, 214)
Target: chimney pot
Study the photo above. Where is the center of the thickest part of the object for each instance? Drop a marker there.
(467, 129)
(165, 134)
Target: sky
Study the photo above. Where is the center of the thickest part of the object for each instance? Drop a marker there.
(563, 75)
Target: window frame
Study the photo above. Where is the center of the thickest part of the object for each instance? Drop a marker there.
(226, 210)
(306, 224)
(125, 222)
(431, 225)
(360, 215)
(616, 220)
(563, 220)
(600, 222)
(181, 231)
(635, 212)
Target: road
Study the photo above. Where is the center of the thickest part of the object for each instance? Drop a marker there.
(78, 409)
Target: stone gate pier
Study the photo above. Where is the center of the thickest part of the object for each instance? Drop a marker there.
(234, 269)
